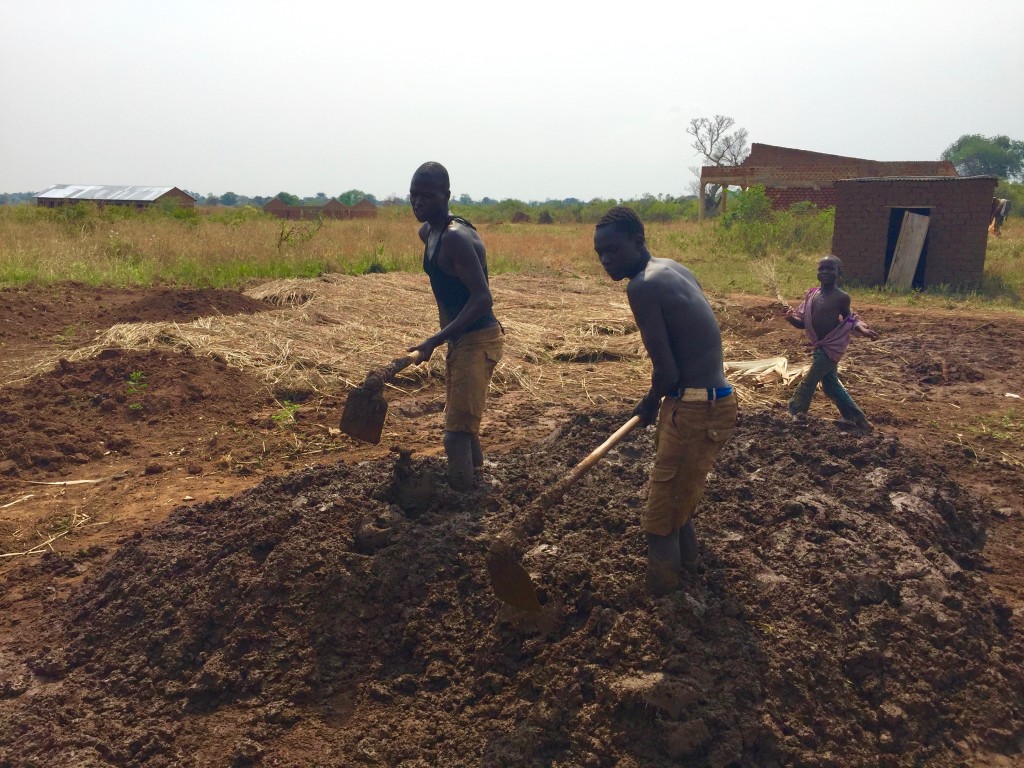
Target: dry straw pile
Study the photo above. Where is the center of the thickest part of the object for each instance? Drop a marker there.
(566, 339)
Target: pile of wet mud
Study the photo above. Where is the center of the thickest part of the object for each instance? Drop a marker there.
(76, 311)
(84, 410)
(942, 369)
(185, 305)
(341, 616)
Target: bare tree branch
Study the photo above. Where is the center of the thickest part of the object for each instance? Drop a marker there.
(713, 140)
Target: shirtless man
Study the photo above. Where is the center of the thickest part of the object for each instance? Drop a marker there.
(828, 333)
(691, 400)
(455, 261)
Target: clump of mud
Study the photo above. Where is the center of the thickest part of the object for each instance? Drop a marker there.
(943, 370)
(341, 616)
(84, 410)
(185, 305)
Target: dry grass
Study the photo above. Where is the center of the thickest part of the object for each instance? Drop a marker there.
(325, 334)
(147, 249)
(224, 252)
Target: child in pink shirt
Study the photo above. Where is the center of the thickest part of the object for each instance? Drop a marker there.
(826, 317)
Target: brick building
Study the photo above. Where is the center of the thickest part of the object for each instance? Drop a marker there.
(332, 209)
(795, 175)
(870, 214)
(139, 197)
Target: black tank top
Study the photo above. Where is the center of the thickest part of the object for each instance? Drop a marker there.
(451, 293)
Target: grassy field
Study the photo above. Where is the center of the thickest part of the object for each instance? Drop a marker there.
(229, 247)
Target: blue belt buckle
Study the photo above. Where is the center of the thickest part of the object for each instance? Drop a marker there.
(717, 393)
(712, 393)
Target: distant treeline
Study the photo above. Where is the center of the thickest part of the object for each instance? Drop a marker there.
(568, 210)
(487, 209)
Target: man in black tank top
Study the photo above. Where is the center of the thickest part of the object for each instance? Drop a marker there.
(455, 260)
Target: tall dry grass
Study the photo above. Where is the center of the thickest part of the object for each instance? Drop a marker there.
(233, 248)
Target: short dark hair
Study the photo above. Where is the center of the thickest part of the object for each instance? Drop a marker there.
(624, 218)
(436, 173)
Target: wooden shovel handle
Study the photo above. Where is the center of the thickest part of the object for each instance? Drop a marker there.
(558, 490)
(512, 535)
(376, 379)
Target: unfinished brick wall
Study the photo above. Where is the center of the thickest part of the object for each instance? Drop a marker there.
(783, 197)
(959, 211)
(332, 209)
(794, 175)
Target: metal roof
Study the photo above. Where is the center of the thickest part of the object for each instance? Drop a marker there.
(101, 192)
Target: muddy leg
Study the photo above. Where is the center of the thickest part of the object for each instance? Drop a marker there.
(478, 452)
(688, 549)
(821, 365)
(459, 447)
(663, 563)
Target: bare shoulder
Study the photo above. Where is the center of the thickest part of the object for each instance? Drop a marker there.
(458, 229)
(642, 285)
(424, 231)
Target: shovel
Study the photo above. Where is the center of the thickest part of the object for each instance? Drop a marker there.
(509, 580)
(366, 408)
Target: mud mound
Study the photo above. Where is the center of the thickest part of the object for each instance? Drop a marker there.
(183, 306)
(75, 311)
(37, 312)
(942, 370)
(83, 410)
(340, 616)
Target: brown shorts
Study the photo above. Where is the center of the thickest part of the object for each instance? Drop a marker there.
(468, 369)
(689, 438)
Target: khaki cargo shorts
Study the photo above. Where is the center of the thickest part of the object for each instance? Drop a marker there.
(468, 370)
(689, 437)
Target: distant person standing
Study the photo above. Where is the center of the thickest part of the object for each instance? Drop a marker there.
(455, 260)
(693, 404)
(826, 317)
(1000, 210)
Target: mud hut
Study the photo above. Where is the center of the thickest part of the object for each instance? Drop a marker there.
(797, 175)
(913, 231)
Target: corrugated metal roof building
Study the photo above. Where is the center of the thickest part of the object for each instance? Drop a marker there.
(140, 197)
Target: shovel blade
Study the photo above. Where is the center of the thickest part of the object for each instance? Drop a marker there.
(364, 414)
(509, 580)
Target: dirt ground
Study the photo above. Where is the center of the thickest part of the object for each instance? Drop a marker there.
(196, 568)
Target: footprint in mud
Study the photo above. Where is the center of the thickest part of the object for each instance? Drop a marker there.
(412, 488)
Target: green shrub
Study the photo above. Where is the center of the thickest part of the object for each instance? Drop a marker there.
(751, 226)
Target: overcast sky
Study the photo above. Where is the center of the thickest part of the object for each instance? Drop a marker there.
(524, 99)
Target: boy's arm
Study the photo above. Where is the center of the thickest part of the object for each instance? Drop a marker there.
(859, 327)
(796, 317)
(647, 312)
(862, 330)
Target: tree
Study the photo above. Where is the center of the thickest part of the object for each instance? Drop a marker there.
(713, 140)
(229, 198)
(353, 196)
(288, 198)
(977, 155)
(212, 199)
